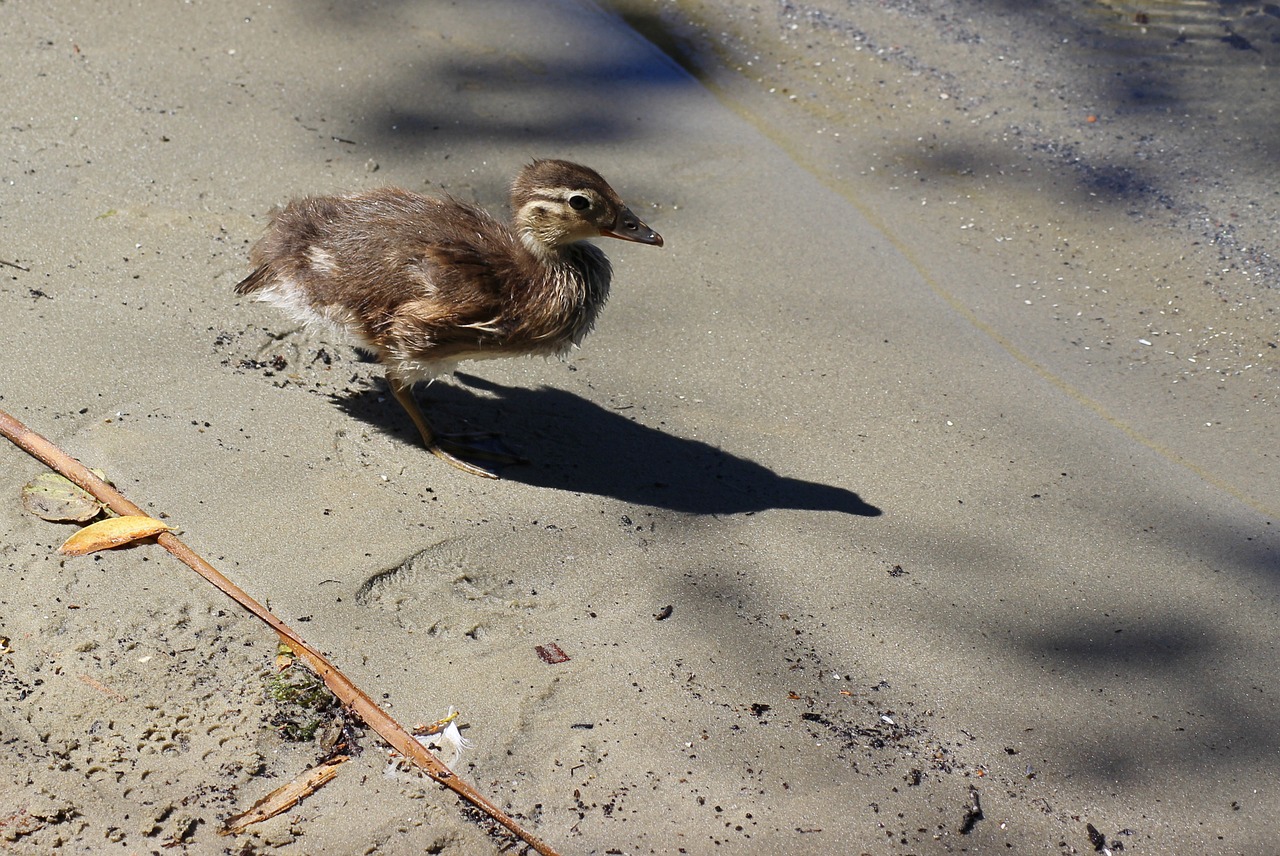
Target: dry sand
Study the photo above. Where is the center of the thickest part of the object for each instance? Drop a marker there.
(916, 541)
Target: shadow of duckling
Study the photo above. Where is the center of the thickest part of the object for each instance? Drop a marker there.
(577, 445)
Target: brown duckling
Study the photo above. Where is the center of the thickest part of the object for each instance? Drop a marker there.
(425, 283)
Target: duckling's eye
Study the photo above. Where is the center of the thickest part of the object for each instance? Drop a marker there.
(578, 202)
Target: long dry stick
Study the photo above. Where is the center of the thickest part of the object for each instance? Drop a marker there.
(342, 686)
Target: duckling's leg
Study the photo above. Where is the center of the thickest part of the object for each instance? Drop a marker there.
(444, 446)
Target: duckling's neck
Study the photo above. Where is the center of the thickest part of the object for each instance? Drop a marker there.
(548, 254)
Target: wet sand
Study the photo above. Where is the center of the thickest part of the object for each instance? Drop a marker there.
(850, 510)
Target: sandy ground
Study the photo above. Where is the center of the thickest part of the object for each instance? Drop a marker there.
(865, 498)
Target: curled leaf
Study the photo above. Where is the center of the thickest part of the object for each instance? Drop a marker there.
(112, 532)
(284, 657)
(50, 496)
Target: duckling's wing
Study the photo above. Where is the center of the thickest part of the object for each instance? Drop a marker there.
(458, 301)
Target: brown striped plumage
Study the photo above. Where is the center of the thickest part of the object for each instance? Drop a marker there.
(425, 282)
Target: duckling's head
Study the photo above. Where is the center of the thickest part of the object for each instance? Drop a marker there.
(557, 203)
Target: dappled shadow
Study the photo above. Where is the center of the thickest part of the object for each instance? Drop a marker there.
(1154, 623)
(542, 92)
(1094, 178)
(1137, 95)
(496, 99)
(1113, 665)
(1107, 648)
(578, 445)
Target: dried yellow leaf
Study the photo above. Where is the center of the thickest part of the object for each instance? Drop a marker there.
(113, 532)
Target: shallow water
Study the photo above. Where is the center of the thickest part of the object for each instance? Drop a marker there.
(1200, 19)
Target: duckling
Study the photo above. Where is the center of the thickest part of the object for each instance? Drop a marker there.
(426, 282)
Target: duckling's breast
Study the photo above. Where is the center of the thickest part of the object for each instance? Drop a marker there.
(564, 310)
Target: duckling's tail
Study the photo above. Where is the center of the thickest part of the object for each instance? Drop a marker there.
(253, 281)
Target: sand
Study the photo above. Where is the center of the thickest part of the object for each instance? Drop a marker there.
(866, 496)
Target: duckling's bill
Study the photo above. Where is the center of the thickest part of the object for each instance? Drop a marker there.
(629, 227)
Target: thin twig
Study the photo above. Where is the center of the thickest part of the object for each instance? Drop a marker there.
(342, 686)
(284, 797)
(15, 265)
(102, 688)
